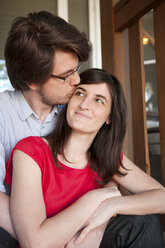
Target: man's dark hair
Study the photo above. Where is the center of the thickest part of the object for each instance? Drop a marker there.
(105, 152)
(32, 42)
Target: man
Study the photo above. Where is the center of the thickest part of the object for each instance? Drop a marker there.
(43, 55)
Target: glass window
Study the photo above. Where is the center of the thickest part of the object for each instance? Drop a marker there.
(151, 97)
(78, 16)
(4, 80)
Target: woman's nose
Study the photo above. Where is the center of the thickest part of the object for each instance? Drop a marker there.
(85, 104)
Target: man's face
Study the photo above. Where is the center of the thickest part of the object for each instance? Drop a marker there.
(56, 90)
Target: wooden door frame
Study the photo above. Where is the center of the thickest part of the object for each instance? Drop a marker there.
(114, 20)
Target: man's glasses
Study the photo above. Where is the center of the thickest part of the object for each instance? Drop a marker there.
(64, 78)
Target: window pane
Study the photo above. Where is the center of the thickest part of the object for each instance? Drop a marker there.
(4, 80)
(151, 98)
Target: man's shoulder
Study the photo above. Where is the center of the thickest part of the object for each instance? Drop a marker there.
(7, 95)
(8, 99)
(8, 104)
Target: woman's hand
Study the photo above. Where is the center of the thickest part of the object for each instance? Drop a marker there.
(107, 192)
(101, 216)
(92, 239)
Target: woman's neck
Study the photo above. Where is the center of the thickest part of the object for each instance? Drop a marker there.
(76, 150)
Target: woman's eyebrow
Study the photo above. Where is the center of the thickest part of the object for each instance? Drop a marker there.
(80, 88)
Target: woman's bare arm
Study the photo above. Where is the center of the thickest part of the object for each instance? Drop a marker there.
(27, 208)
(148, 197)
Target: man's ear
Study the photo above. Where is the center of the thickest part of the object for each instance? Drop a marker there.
(33, 86)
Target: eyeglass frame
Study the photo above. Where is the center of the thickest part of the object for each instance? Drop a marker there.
(64, 78)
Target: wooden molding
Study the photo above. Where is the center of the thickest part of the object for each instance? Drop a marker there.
(127, 12)
(137, 75)
(115, 61)
(151, 39)
(107, 35)
(159, 27)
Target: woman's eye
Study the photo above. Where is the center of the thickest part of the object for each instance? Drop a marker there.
(78, 93)
(99, 101)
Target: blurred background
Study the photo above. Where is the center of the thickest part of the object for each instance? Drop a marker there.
(128, 40)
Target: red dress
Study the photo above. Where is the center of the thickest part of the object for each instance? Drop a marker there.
(61, 186)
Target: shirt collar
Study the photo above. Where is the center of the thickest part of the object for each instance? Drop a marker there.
(51, 115)
(24, 110)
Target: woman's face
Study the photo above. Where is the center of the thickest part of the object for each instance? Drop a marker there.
(89, 107)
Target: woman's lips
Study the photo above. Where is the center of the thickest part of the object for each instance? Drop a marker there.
(83, 115)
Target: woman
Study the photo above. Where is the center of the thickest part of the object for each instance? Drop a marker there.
(57, 183)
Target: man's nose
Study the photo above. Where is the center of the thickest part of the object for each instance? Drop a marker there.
(74, 79)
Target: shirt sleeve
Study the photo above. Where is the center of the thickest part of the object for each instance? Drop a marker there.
(2, 157)
(2, 168)
(32, 148)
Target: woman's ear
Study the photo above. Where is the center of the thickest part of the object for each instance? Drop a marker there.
(108, 121)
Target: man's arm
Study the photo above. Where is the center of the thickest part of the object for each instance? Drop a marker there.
(2, 167)
(5, 220)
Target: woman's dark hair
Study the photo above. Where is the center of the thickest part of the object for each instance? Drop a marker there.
(105, 153)
(32, 42)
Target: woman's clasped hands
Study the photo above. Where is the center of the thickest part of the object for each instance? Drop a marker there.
(91, 234)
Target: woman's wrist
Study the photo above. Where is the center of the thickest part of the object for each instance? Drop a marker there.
(97, 196)
(114, 204)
